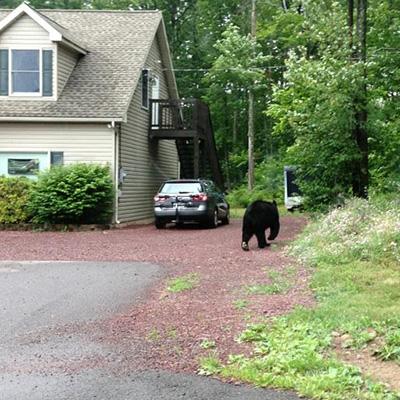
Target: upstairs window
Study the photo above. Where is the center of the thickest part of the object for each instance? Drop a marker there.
(145, 88)
(26, 72)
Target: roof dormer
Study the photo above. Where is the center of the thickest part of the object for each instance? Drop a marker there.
(55, 31)
(29, 44)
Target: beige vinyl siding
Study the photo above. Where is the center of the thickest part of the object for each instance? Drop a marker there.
(79, 142)
(66, 62)
(146, 163)
(24, 31)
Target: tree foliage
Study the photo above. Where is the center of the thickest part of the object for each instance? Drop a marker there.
(305, 79)
(313, 106)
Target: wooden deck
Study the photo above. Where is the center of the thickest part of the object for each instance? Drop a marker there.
(188, 122)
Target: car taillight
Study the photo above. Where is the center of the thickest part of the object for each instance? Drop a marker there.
(199, 197)
(159, 198)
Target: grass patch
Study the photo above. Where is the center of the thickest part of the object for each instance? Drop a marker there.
(279, 283)
(207, 344)
(237, 213)
(240, 304)
(356, 259)
(154, 335)
(391, 348)
(274, 288)
(210, 365)
(183, 283)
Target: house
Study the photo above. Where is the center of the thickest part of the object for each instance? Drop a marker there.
(75, 86)
(98, 86)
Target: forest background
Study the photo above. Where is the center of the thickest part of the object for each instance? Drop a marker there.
(311, 77)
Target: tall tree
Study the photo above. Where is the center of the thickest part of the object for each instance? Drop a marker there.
(238, 69)
(250, 132)
(358, 42)
(312, 106)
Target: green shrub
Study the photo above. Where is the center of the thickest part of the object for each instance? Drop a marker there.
(268, 185)
(77, 194)
(14, 195)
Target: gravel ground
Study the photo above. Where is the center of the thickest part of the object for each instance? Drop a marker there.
(169, 328)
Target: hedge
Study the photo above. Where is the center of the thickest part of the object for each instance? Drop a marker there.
(75, 194)
(14, 196)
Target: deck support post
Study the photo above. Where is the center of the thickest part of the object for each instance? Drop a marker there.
(196, 156)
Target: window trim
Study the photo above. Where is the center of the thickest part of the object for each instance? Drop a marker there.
(32, 95)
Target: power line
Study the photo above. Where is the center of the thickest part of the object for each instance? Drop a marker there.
(269, 67)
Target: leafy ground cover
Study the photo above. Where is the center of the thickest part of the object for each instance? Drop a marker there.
(354, 252)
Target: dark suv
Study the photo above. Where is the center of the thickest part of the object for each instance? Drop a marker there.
(194, 200)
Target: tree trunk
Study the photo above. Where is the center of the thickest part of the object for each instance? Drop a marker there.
(362, 139)
(350, 22)
(234, 129)
(250, 134)
(360, 134)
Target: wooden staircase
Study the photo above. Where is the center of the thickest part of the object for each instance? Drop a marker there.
(188, 122)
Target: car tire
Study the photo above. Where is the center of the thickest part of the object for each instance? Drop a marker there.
(213, 220)
(225, 220)
(159, 223)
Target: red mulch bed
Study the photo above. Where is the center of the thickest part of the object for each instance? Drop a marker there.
(166, 329)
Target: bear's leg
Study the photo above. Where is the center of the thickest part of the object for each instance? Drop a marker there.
(246, 236)
(262, 241)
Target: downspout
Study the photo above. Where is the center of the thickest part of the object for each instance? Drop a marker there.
(117, 134)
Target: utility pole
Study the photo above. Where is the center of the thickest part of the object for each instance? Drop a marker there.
(250, 133)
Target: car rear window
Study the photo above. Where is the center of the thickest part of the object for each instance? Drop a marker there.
(181, 187)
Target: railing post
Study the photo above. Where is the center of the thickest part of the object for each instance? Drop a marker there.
(151, 115)
(159, 113)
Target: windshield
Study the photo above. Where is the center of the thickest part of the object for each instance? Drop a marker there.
(183, 187)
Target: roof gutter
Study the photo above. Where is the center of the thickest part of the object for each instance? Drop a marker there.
(74, 46)
(59, 119)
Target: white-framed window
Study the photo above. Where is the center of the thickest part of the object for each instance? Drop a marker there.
(26, 72)
(28, 164)
(145, 88)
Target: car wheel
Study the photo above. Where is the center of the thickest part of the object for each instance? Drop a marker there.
(213, 220)
(160, 224)
(225, 220)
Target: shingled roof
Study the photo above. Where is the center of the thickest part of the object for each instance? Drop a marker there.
(103, 81)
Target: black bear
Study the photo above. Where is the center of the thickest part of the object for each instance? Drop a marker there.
(259, 216)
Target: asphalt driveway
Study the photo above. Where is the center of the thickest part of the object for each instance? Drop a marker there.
(51, 330)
